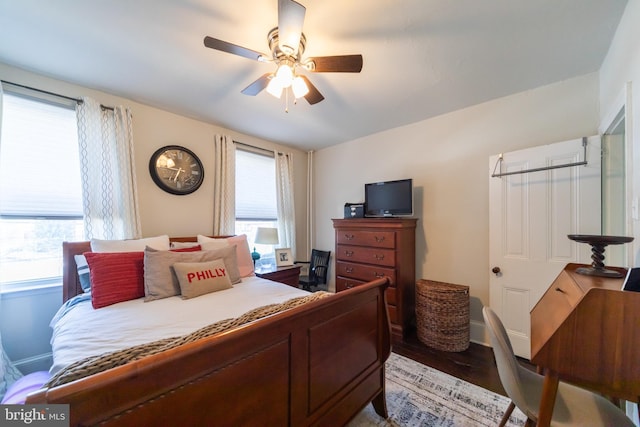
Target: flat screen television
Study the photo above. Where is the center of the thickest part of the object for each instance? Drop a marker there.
(389, 198)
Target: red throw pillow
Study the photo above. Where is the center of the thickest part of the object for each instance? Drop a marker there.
(115, 277)
(189, 249)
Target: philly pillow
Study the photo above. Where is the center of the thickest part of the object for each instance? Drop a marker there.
(199, 278)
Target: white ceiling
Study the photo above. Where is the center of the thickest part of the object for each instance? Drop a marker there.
(422, 58)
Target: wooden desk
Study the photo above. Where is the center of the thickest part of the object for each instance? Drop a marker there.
(586, 331)
(289, 275)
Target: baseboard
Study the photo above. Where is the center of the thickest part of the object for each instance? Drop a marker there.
(478, 333)
(40, 362)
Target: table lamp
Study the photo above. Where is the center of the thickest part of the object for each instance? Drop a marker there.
(264, 236)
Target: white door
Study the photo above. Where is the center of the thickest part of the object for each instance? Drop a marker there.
(531, 215)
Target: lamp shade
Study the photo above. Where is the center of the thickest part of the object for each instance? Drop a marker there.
(299, 87)
(275, 87)
(266, 236)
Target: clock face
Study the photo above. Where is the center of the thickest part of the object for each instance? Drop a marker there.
(176, 170)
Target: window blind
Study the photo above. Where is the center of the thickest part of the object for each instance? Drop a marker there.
(39, 159)
(255, 186)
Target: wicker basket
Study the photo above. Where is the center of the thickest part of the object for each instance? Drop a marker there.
(442, 315)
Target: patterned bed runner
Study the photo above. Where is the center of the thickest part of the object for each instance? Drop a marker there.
(94, 364)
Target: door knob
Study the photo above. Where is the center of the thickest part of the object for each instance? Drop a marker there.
(496, 271)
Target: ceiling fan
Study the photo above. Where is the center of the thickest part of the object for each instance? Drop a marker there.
(287, 43)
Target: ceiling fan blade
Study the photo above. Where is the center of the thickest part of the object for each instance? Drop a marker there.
(234, 49)
(290, 20)
(334, 64)
(313, 96)
(258, 86)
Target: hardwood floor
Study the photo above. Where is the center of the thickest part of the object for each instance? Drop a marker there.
(475, 365)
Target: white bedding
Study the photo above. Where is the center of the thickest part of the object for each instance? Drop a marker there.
(84, 331)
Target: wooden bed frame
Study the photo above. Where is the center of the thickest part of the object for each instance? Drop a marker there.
(317, 364)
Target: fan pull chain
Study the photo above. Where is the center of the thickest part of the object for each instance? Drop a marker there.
(286, 97)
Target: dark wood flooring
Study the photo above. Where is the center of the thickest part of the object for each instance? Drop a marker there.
(475, 365)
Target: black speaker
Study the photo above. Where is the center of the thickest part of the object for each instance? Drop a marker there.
(354, 210)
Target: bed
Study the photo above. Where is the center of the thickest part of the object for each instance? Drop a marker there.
(319, 363)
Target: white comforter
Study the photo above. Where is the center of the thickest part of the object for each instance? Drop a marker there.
(84, 331)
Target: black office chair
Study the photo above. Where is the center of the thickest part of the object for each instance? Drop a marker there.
(318, 269)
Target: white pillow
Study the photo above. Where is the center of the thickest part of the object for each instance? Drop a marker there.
(245, 262)
(160, 243)
(211, 243)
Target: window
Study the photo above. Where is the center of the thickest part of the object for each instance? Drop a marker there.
(256, 204)
(40, 189)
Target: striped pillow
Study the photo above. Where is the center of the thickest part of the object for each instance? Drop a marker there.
(115, 277)
(83, 272)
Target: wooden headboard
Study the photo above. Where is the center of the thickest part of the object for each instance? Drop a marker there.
(70, 281)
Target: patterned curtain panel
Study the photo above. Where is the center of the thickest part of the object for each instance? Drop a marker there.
(8, 372)
(286, 207)
(109, 191)
(224, 186)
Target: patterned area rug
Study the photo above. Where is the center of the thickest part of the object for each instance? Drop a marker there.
(418, 395)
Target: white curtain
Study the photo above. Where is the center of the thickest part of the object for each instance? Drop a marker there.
(109, 191)
(286, 207)
(224, 186)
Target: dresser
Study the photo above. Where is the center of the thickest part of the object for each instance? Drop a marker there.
(585, 330)
(370, 248)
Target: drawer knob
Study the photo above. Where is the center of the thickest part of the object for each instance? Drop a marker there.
(379, 239)
(560, 290)
(378, 275)
(348, 236)
(379, 257)
(349, 270)
(348, 253)
(348, 285)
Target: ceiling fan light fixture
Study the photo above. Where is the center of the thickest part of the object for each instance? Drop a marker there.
(287, 45)
(299, 87)
(275, 87)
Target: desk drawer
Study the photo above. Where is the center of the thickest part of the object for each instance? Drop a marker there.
(376, 239)
(568, 289)
(550, 312)
(364, 272)
(383, 257)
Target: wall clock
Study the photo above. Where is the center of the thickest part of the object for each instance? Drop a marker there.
(176, 170)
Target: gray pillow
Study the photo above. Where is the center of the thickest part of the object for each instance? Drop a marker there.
(160, 280)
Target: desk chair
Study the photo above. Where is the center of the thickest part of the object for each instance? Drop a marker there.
(574, 406)
(318, 269)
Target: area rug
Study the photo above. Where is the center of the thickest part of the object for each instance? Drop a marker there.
(418, 395)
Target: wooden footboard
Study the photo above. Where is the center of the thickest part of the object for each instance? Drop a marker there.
(317, 364)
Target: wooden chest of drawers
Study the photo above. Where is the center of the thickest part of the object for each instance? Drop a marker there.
(369, 248)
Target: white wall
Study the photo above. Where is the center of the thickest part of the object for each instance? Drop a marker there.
(447, 158)
(620, 84)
